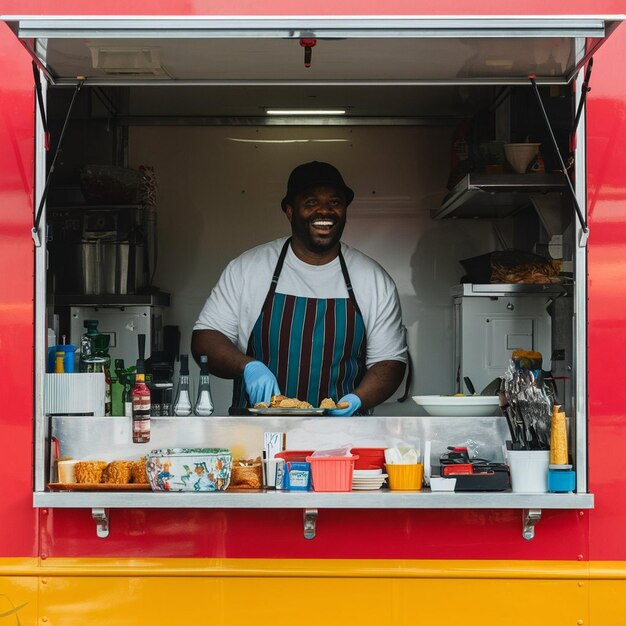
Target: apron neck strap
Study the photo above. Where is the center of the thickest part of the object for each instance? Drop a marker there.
(281, 261)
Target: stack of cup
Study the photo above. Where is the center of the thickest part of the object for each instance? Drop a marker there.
(404, 470)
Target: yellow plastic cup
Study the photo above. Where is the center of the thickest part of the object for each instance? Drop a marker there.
(405, 477)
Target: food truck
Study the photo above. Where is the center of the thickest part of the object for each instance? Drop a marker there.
(145, 145)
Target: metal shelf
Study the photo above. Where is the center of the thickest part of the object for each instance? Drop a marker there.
(502, 289)
(530, 505)
(272, 499)
(496, 196)
(117, 300)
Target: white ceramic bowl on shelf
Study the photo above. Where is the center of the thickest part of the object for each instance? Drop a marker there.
(519, 155)
(459, 406)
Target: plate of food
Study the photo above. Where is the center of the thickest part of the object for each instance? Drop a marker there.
(283, 405)
(279, 411)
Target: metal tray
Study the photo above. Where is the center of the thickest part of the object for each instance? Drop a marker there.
(312, 411)
(98, 487)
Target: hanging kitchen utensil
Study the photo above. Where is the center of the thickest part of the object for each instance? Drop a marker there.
(492, 388)
(469, 385)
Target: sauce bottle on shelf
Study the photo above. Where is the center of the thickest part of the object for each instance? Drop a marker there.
(140, 398)
(204, 404)
(182, 404)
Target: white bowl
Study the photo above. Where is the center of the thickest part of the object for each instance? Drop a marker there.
(519, 155)
(459, 406)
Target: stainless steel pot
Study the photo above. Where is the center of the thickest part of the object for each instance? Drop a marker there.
(112, 267)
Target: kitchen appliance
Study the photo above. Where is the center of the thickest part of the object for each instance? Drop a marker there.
(100, 250)
(490, 321)
(122, 324)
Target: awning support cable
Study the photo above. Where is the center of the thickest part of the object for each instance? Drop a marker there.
(579, 213)
(44, 194)
(42, 110)
(585, 89)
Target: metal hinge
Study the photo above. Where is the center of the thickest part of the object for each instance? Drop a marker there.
(530, 517)
(310, 519)
(101, 517)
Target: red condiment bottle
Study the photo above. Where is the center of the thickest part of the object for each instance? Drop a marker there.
(140, 399)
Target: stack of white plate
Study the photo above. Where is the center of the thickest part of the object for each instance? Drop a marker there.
(368, 479)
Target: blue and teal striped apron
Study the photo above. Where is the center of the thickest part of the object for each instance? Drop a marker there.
(315, 347)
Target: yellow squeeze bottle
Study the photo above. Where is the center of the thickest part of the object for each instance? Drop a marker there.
(58, 363)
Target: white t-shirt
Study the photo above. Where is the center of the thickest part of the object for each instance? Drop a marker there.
(236, 301)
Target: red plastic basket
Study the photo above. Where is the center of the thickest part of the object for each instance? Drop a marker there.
(332, 473)
(294, 456)
(369, 458)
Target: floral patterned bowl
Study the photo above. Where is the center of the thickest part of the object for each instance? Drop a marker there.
(189, 469)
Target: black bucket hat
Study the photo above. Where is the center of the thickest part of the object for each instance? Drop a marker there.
(311, 174)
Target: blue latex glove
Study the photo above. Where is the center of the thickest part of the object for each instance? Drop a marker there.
(261, 384)
(355, 404)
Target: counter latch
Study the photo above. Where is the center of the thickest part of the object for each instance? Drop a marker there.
(310, 519)
(101, 517)
(530, 517)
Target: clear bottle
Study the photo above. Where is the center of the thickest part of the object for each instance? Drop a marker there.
(182, 404)
(204, 404)
(94, 357)
(140, 398)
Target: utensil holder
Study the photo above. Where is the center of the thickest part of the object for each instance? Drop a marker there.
(529, 470)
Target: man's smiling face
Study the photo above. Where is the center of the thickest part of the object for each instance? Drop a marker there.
(318, 217)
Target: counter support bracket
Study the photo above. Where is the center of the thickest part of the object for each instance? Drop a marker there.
(530, 517)
(101, 517)
(310, 520)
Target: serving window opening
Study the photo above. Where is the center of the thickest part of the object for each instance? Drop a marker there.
(164, 177)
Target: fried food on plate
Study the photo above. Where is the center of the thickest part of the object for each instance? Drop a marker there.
(329, 403)
(284, 402)
(89, 471)
(138, 472)
(117, 473)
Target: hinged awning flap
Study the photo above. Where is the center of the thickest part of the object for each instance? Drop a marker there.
(350, 50)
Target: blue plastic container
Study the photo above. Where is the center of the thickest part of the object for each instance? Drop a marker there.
(68, 357)
(297, 476)
(561, 481)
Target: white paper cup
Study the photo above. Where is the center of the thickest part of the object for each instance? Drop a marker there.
(529, 470)
(66, 471)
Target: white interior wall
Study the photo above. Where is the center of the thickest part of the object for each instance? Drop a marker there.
(219, 191)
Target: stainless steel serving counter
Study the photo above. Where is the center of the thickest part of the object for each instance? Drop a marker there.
(109, 438)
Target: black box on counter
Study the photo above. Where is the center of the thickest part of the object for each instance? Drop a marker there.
(484, 477)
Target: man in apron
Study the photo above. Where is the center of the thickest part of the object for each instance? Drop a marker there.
(306, 316)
